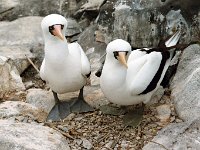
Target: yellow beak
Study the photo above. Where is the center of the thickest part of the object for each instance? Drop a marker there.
(57, 32)
(122, 58)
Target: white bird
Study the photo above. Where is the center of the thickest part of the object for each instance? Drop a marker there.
(131, 77)
(65, 66)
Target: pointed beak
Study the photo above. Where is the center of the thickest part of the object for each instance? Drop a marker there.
(122, 58)
(57, 32)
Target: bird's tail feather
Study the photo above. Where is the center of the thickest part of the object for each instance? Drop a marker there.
(173, 40)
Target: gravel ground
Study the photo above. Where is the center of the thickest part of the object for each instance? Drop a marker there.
(99, 131)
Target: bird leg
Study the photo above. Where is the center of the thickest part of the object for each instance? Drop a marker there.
(80, 105)
(60, 110)
(134, 117)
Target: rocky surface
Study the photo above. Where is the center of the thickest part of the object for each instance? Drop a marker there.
(20, 39)
(185, 84)
(26, 136)
(10, 109)
(25, 99)
(179, 136)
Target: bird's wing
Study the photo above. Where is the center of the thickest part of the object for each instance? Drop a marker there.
(42, 74)
(85, 64)
(145, 70)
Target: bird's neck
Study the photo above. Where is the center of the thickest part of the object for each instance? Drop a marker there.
(115, 70)
(56, 51)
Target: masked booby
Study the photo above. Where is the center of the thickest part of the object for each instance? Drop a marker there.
(65, 67)
(131, 77)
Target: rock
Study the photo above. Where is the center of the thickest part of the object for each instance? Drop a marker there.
(41, 99)
(124, 145)
(23, 40)
(10, 79)
(177, 136)
(21, 8)
(17, 108)
(143, 23)
(164, 113)
(24, 37)
(90, 6)
(87, 40)
(30, 137)
(72, 27)
(87, 144)
(186, 84)
(28, 84)
(94, 96)
(108, 145)
(156, 97)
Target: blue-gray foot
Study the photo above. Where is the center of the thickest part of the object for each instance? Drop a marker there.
(80, 105)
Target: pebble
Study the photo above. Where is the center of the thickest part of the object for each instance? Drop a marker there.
(164, 112)
(25, 120)
(108, 145)
(137, 138)
(20, 118)
(78, 141)
(87, 144)
(29, 84)
(70, 117)
(124, 145)
(178, 120)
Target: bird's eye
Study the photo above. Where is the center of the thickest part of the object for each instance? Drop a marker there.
(115, 54)
(62, 26)
(51, 28)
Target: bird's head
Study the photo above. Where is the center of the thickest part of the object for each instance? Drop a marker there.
(54, 26)
(119, 49)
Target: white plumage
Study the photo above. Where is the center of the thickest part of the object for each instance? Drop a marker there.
(136, 81)
(65, 65)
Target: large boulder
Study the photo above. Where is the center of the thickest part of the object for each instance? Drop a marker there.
(20, 39)
(143, 23)
(9, 109)
(41, 99)
(177, 136)
(23, 136)
(186, 84)
(11, 10)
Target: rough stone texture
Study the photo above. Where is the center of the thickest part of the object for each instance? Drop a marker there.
(73, 28)
(143, 23)
(41, 99)
(17, 108)
(24, 37)
(9, 76)
(22, 136)
(19, 39)
(44, 100)
(179, 136)
(20, 8)
(87, 41)
(186, 84)
(164, 112)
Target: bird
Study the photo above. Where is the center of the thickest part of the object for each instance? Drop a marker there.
(132, 77)
(65, 67)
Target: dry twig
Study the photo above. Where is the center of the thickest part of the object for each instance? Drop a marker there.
(63, 133)
(32, 64)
